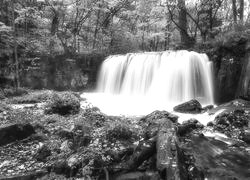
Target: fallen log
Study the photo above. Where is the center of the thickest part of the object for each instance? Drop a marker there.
(143, 152)
(170, 163)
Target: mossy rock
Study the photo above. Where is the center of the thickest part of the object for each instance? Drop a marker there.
(33, 97)
(10, 92)
(63, 103)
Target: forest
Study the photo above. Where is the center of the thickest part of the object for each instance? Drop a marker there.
(125, 89)
(34, 28)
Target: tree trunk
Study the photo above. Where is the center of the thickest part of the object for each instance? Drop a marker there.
(144, 151)
(185, 38)
(97, 24)
(17, 82)
(211, 16)
(241, 10)
(54, 23)
(234, 11)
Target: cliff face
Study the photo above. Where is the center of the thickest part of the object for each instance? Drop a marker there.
(244, 83)
(60, 72)
(231, 68)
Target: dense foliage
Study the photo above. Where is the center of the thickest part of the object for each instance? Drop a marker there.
(76, 26)
(30, 28)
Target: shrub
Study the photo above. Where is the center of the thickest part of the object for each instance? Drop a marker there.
(63, 103)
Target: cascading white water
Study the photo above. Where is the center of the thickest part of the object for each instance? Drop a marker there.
(139, 83)
(170, 76)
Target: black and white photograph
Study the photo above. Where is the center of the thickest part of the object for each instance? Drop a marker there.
(124, 89)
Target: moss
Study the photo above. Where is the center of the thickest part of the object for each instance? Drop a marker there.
(63, 103)
(4, 107)
(33, 97)
(10, 92)
(121, 130)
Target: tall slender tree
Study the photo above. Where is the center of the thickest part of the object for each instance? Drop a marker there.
(16, 62)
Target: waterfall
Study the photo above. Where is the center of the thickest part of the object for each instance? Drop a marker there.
(138, 83)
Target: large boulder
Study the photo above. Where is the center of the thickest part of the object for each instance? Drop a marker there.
(12, 132)
(193, 106)
(232, 123)
(188, 126)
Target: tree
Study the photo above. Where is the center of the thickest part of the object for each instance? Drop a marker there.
(241, 10)
(185, 38)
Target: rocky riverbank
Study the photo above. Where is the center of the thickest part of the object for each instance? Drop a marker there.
(46, 135)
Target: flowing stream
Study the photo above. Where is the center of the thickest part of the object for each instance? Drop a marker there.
(139, 83)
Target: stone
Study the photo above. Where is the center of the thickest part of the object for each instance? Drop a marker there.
(192, 107)
(246, 136)
(208, 107)
(210, 123)
(188, 126)
(65, 133)
(231, 120)
(220, 159)
(42, 153)
(60, 167)
(13, 132)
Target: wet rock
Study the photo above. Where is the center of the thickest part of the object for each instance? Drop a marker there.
(188, 126)
(207, 108)
(13, 132)
(60, 167)
(42, 153)
(246, 136)
(232, 123)
(159, 115)
(216, 157)
(65, 133)
(192, 106)
(210, 124)
(39, 137)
